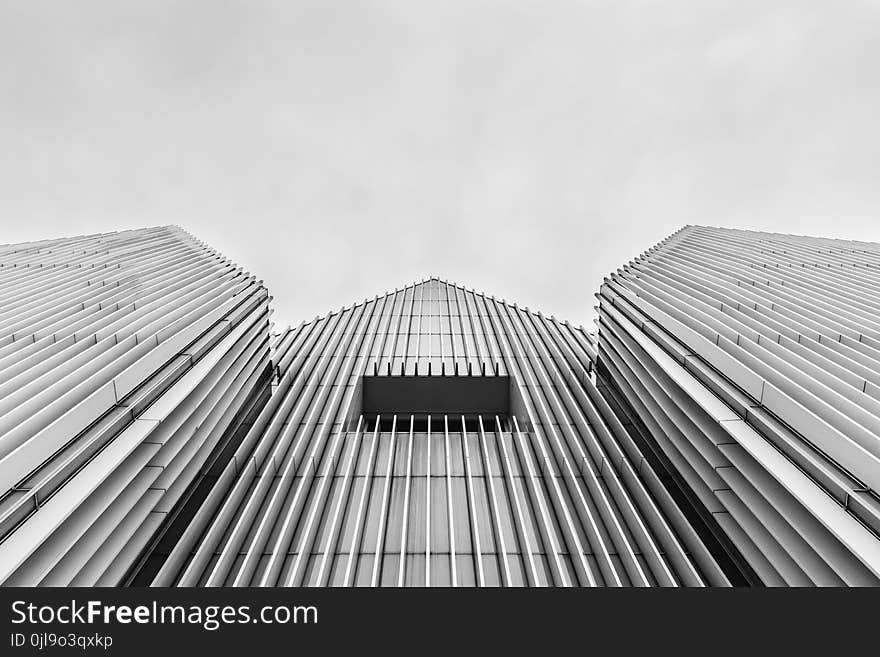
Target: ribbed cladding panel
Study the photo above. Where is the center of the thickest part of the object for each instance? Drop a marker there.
(753, 360)
(123, 358)
(557, 493)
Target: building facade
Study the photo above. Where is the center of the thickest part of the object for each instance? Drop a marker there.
(720, 427)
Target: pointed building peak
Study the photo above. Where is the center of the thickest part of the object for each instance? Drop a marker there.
(437, 296)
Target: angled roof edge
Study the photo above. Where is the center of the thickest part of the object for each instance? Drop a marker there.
(423, 281)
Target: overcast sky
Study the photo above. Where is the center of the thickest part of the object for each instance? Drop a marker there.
(339, 149)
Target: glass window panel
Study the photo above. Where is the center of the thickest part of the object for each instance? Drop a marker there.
(417, 514)
(439, 515)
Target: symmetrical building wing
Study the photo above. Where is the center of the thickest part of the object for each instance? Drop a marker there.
(751, 364)
(125, 360)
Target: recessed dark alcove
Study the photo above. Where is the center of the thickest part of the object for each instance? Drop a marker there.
(408, 394)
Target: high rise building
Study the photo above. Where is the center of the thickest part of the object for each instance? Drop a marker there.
(720, 427)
